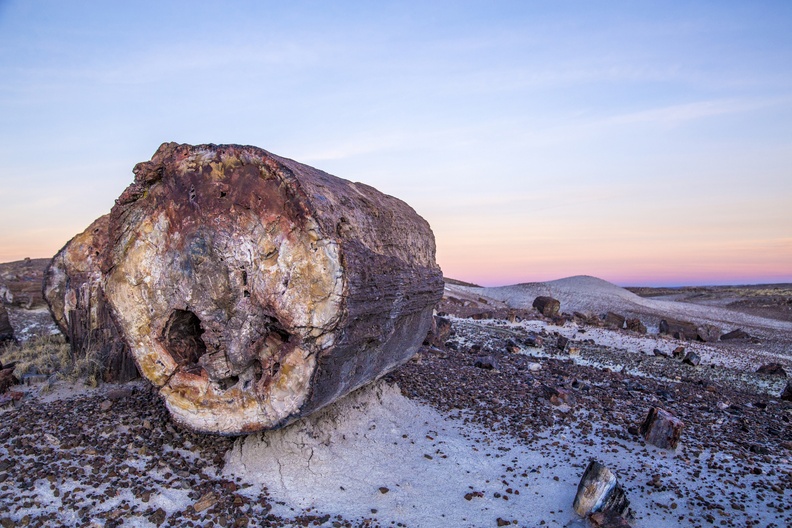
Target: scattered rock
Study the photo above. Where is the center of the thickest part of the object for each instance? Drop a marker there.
(708, 333)
(7, 379)
(6, 330)
(440, 332)
(635, 325)
(557, 395)
(787, 394)
(679, 353)
(661, 428)
(608, 520)
(547, 306)
(773, 369)
(105, 405)
(599, 491)
(692, 359)
(562, 343)
(736, 334)
(486, 363)
(659, 353)
(613, 320)
(205, 502)
(678, 329)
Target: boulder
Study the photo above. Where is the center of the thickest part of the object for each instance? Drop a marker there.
(661, 428)
(547, 306)
(253, 290)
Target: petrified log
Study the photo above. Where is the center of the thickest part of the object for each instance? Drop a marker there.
(254, 290)
(599, 491)
(6, 330)
(635, 325)
(547, 306)
(661, 428)
(678, 329)
(73, 289)
(614, 320)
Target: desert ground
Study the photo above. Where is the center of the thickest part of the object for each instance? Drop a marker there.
(491, 424)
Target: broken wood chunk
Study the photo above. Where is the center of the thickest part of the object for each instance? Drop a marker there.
(661, 428)
(599, 491)
(253, 290)
(74, 291)
(547, 306)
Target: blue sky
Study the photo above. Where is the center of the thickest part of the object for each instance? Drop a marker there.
(641, 142)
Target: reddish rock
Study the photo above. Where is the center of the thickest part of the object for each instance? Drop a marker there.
(547, 306)
(661, 428)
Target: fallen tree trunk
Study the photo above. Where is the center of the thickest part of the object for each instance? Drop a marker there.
(254, 290)
(73, 289)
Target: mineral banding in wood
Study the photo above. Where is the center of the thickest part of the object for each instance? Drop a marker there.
(253, 289)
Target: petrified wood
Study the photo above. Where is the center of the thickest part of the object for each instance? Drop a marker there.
(661, 428)
(73, 289)
(254, 290)
(599, 491)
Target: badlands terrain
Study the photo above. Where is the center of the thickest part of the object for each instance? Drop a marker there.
(492, 423)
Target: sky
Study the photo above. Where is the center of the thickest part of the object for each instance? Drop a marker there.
(645, 143)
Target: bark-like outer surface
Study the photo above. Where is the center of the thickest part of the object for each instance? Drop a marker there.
(73, 289)
(254, 290)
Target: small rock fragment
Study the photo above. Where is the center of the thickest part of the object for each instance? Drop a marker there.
(774, 369)
(735, 334)
(205, 502)
(486, 363)
(105, 405)
(692, 359)
(679, 352)
(661, 428)
(599, 491)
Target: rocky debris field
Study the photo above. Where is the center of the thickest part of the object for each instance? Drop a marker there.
(534, 399)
